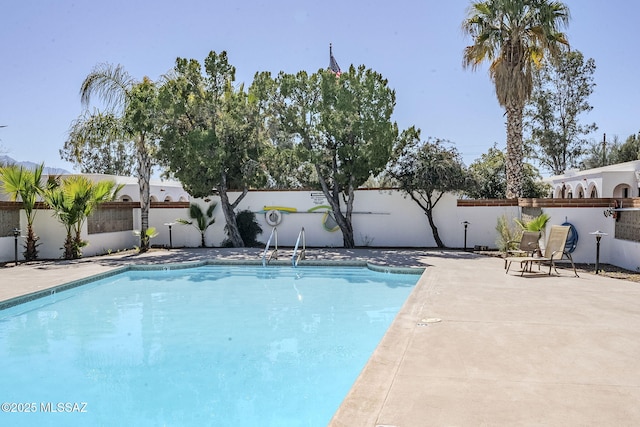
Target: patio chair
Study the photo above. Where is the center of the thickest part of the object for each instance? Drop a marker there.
(553, 251)
(527, 246)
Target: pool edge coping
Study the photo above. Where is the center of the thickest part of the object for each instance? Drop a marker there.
(42, 293)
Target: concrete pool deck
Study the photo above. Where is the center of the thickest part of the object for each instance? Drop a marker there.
(471, 346)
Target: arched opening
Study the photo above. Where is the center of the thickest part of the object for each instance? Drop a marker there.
(183, 199)
(560, 192)
(580, 191)
(168, 199)
(622, 191)
(125, 198)
(593, 191)
(567, 191)
(153, 199)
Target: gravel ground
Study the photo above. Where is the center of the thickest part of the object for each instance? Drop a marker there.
(606, 270)
(609, 270)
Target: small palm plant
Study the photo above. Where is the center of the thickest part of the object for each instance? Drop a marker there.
(536, 224)
(145, 238)
(73, 201)
(201, 220)
(25, 185)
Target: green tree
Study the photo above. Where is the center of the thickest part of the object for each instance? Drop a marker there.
(490, 181)
(614, 152)
(25, 185)
(342, 125)
(132, 119)
(514, 36)
(73, 201)
(601, 153)
(629, 151)
(284, 160)
(95, 144)
(425, 171)
(560, 95)
(203, 220)
(211, 140)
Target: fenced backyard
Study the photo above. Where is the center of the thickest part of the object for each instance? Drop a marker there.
(382, 218)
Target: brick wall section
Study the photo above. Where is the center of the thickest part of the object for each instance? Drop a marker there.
(487, 202)
(553, 203)
(10, 206)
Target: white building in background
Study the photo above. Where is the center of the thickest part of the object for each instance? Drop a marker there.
(160, 191)
(619, 181)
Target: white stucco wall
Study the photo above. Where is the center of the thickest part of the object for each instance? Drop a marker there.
(382, 219)
(586, 220)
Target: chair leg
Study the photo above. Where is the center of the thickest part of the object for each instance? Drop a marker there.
(523, 268)
(572, 264)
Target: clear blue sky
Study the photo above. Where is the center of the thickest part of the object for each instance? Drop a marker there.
(49, 46)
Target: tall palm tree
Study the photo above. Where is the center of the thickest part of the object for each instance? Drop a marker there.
(514, 36)
(134, 104)
(73, 202)
(25, 185)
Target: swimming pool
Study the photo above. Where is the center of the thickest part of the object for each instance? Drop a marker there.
(213, 345)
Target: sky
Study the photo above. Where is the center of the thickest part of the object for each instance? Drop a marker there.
(49, 46)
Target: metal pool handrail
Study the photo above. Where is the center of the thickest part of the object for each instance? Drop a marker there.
(274, 254)
(297, 257)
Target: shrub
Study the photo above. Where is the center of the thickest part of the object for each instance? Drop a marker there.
(248, 227)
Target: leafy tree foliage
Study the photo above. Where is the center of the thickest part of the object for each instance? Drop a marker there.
(560, 95)
(341, 125)
(614, 152)
(283, 159)
(627, 152)
(95, 144)
(211, 140)
(425, 171)
(514, 36)
(490, 182)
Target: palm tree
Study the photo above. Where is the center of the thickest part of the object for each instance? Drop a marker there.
(73, 202)
(202, 220)
(514, 36)
(135, 104)
(26, 185)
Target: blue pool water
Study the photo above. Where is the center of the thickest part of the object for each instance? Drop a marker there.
(220, 346)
